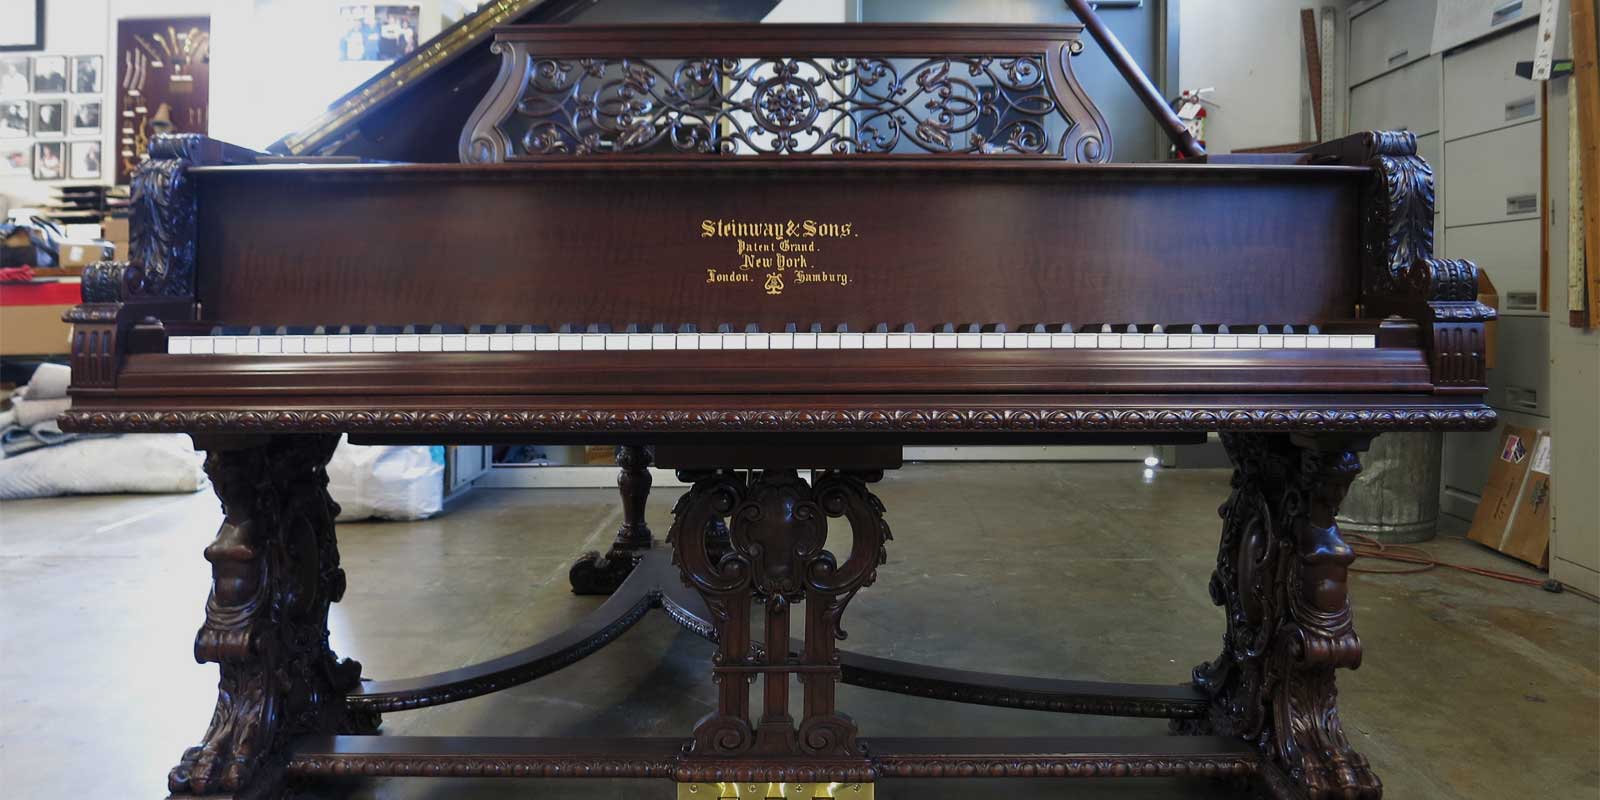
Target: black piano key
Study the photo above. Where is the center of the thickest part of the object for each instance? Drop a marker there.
(909, 327)
(841, 328)
(1223, 329)
(570, 327)
(482, 329)
(790, 327)
(659, 327)
(882, 327)
(632, 327)
(970, 327)
(597, 327)
(387, 330)
(1032, 327)
(688, 327)
(945, 327)
(994, 327)
(1288, 329)
(1313, 330)
(752, 328)
(445, 327)
(724, 327)
(816, 327)
(536, 329)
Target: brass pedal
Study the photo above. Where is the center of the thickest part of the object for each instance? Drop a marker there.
(775, 791)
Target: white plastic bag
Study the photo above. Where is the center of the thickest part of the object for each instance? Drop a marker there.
(142, 462)
(385, 481)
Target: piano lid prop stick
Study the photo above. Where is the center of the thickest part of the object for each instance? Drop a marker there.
(1137, 80)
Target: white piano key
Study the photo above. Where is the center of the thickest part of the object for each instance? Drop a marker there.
(1179, 341)
(827, 341)
(1364, 342)
(454, 342)
(1063, 341)
(1014, 341)
(663, 341)
(900, 341)
(805, 341)
(1318, 341)
(944, 341)
(546, 342)
(990, 341)
(1131, 341)
(380, 344)
(688, 341)
(969, 341)
(851, 341)
(1272, 341)
(592, 342)
(361, 344)
(271, 345)
(615, 341)
(1086, 341)
(405, 343)
(782, 341)
(1249, 341)
(926, 341)
(477, 343)
(1296, 341)
(758, 341)
(179, 345)
(524, 342)
(1037, 340)
(1155, 341)
(875, 341)
(638, 341)
(1203, 341)
(502, 343)
(224, 345)
(317, 344)
(249, 345)
(1108, 341)
(204, 345)
(733, 341)
(338, 344)
(710, 341)
(1227, 341)
(1340, 342)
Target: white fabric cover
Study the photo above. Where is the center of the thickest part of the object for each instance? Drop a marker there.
(385, 481)
(154, 462)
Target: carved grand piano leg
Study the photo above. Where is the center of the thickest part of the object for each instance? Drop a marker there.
(275, 570)
(1281, 576)
(777, 532)
(595, 573)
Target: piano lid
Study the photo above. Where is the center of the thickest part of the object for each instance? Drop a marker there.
(415, 108)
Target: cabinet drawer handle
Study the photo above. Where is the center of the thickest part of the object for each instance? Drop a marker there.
(1505, 11)
(1522, 204)
(1399, 54)
(1517, 109)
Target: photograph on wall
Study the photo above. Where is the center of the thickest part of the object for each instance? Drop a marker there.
(13, 76)
(378, 33)
(14, 119)
(47, 162)
(162, 85)
(85, 159)
(86, 74)
(16, 161)
(85, 117)
(49, 117)
(49, 74)
(24, 25)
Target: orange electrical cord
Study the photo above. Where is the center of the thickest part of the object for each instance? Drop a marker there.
(1368, 547)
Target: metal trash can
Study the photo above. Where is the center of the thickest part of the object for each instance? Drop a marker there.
(1395, 499)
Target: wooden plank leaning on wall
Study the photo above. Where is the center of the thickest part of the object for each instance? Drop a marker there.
(1586, 88)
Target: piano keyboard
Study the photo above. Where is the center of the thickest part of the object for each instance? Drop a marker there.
(341, 340)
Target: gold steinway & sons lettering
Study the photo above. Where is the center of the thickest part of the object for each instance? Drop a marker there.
(776, 254)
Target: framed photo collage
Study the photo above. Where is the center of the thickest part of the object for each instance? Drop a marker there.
(51, 116)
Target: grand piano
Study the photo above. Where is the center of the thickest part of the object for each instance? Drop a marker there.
(752, 253)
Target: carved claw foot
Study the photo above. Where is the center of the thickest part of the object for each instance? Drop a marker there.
(597, 573)
(603, 574)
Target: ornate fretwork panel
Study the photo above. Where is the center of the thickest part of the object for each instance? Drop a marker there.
(839, 103)
(1281, 577)
(773, 561)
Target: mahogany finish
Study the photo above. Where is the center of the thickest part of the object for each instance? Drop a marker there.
(586, 233)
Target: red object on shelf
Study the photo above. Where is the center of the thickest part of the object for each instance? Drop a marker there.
(41, 293)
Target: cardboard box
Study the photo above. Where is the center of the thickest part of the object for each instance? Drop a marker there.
(116, 232)
(82, 254)
(34, 330)
(1514, 515)
(1489, 296)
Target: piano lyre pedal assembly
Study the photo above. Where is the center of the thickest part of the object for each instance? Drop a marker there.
(748, 253)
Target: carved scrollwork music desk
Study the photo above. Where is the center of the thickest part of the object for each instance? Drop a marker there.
(749, 252)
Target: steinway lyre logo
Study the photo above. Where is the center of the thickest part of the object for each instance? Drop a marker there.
(774, 283)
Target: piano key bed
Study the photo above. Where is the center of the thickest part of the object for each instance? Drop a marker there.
(348, 339)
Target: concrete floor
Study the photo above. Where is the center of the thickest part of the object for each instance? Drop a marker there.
(1472, 688)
